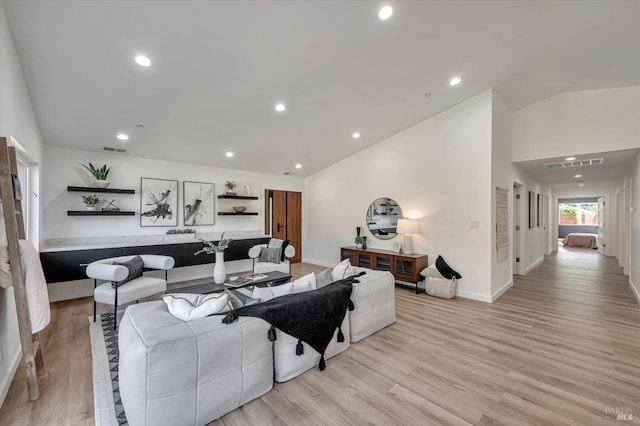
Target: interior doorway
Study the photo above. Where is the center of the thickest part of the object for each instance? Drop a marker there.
(283, 218)
(516, 229)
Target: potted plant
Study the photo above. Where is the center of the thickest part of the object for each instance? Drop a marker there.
(230, 185)
(90, 201)
(100, 174)
(359, 241)
(180, 234)
(219, 272)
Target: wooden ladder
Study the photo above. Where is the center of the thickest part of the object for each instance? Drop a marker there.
(14, 224)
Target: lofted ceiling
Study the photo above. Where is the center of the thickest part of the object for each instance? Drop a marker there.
(612, 170)
(219, 67)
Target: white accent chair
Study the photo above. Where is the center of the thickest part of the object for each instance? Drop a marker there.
(135, 289)
(261, 267)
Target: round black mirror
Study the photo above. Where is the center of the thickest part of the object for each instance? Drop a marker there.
(382, 218)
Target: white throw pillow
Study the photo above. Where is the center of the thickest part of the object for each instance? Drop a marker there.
(306, 283)
(342, 270)
(431, 272)
(189, 307)
(268, 293)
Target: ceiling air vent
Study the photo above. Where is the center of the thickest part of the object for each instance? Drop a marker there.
(112, 149)
(576, 163)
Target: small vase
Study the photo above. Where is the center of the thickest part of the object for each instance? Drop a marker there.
(358, 246)
(90, 208)
(102, 183)
(364, 245)
(219, 272)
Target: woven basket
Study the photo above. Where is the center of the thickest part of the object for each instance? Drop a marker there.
(440, 287)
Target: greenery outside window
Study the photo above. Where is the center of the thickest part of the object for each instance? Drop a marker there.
(579, 214)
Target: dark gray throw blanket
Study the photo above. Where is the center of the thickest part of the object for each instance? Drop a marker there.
(311, 316)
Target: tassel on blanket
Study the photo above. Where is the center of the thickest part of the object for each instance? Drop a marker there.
(351, 306)
(299, 348)
(340, 336)
(321, 364)
(229, 318)
(360, 274)
(272, 334)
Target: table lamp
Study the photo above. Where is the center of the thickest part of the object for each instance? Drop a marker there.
(407, 227)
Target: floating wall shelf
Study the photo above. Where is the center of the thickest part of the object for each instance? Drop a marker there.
(238, 197)
(92, 189)
(99, 213)
(237, 214)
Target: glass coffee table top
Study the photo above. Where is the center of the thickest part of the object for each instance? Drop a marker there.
(237, 280)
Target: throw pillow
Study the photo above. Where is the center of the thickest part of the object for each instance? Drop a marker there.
(446, 270)
(271, 255)
(234, 300)
(306, 283)
(431, 272)
(285, 243)
(342, 270)
(135, 267)
(275, 243)
(189, 307)
(324, 278)
(268, 293)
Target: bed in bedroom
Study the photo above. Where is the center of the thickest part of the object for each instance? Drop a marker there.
(580, 239)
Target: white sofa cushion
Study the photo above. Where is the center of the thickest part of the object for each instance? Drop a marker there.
(305, 283)
(288, 365)
(374, 301)
(268, 293)
(176, 373)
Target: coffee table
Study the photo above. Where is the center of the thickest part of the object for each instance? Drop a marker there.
(272, 278)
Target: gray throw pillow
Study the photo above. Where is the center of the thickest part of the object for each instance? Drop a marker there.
(135, 267)
(235, 301)
(271, 255)
(324, 278)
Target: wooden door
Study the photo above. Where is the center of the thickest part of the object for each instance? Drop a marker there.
(283, 218)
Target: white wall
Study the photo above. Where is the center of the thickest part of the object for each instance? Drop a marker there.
(62, 169)
(634, 274)
(17, 120)
(501, 175)
(578, 123)
(439, 171)
(532, 248)
(608, 191)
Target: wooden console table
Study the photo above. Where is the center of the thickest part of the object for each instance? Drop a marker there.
(404, 267)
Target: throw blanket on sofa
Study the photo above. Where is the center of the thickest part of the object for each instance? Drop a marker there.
(310, 316)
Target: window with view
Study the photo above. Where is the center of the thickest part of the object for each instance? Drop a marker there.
(578, 214)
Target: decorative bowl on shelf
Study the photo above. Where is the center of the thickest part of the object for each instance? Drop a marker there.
(239, 209)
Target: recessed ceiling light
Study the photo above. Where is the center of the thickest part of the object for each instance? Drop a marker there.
(581, 184)
(280, 107)
(428, 94)
(140, 126)
(142, 60)
(385, 13)
(122, 136)
(298, 166)
(577, 176)
(569, 158)
(356, 135)
(455, 81)
(229, 154)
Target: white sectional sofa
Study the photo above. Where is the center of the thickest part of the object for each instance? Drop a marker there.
(178, 373)
(189, 373)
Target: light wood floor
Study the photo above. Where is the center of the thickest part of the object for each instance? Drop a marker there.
(560, 347)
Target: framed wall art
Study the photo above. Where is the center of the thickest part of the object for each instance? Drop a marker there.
(199, 203)
(532, 209)
(158, 202)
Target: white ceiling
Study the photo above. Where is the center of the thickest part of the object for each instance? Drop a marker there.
(612, 170)
(220, 66)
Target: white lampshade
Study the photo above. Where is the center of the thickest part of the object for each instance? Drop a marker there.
(407, 226)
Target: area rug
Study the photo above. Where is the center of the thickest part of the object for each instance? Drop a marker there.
(108, 410)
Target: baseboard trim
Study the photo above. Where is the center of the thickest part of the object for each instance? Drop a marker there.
(536, 263)
(318, 262)
(634, 290)
(13, 368)
(474, 296)
(501, 291)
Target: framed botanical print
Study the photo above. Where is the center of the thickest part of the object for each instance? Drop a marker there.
(199, 203)
(158, 202)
